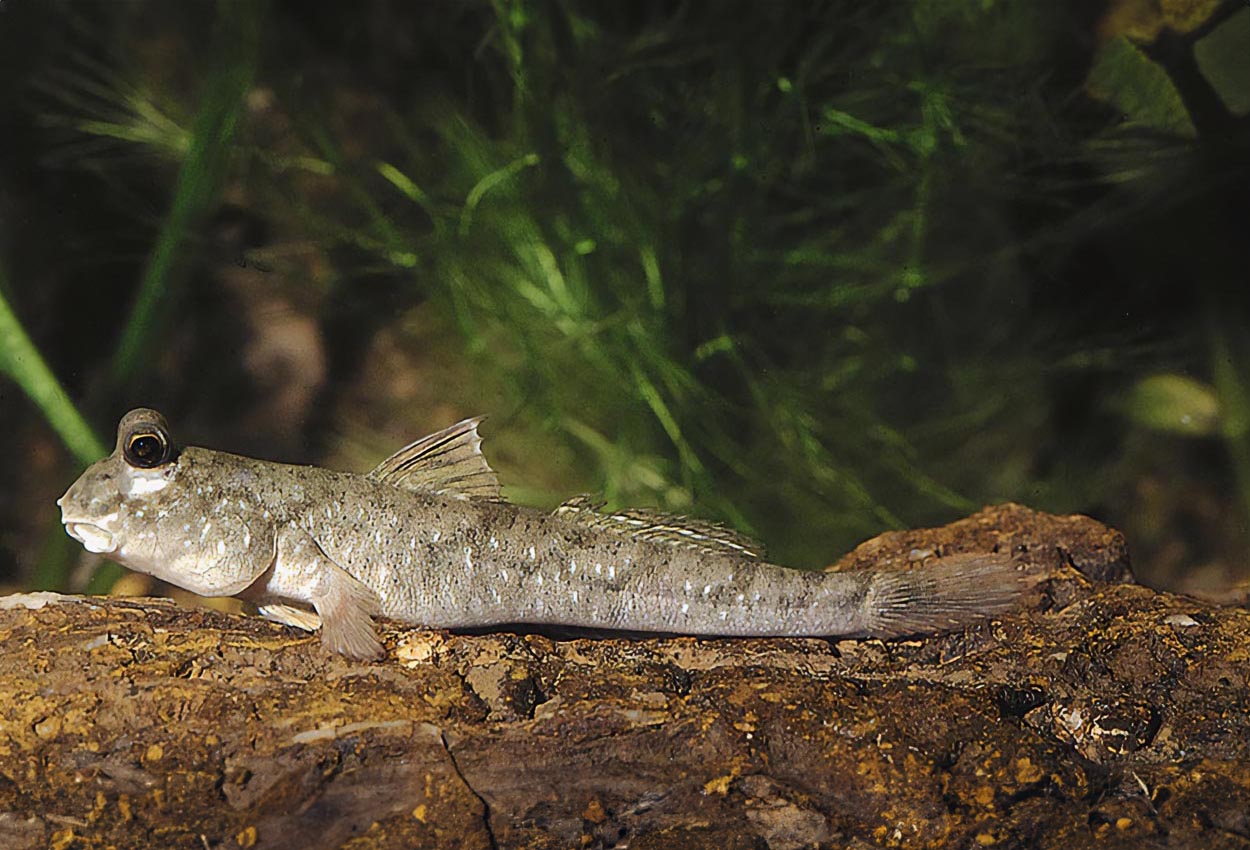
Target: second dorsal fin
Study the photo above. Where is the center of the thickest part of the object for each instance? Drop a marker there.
(665, 528)
(449, 461)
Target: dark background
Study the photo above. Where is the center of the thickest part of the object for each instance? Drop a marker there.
(816, 270)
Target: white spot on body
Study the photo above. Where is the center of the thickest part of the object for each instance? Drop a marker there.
(574, 597)
(538, 579)
(503, 574)
(468, 558)
(611, 571)
(435, 535)
(221, 547)
(685, 607)
(204, 531)
(494, 542)
(141, 484)
(688, 586)
(707, 588)
(724, 614)
(533, 555)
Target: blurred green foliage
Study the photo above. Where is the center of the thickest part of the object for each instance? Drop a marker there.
(801, 268)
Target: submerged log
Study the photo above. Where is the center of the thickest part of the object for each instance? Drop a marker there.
(1102, 714)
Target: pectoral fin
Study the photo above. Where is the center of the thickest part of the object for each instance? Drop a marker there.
(344, 606)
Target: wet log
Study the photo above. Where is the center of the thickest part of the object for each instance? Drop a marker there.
(1102, 714)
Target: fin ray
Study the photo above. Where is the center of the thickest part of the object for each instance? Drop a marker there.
(950, 593)
(346, 608)
(447, 462)
(673, 529)
(290, 615)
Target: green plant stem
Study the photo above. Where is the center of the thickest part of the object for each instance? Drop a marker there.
(199, 179)
(1229, 370)
(23, 362)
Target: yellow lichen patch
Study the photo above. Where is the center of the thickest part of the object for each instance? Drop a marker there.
(1027, 772)
(719, 785)
(101, 803)
(986, 839)
(155, 752)
(246, 837)
(49, 727)
(419, 813)
(62, 839)
(984, 795)
(594, 811)
(1123, 823)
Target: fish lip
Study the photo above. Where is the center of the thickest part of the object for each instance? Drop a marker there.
(94, 538)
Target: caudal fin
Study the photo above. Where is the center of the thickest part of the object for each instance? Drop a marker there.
(948, 594)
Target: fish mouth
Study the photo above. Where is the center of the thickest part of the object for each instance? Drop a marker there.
(93, 538)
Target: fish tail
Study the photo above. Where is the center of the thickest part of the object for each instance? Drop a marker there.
(948, 594)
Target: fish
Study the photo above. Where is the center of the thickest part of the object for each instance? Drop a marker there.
(427, 539)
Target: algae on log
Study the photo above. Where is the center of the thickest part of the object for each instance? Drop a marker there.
(1103, 714)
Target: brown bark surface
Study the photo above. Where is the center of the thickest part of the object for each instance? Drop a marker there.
(1103, 714)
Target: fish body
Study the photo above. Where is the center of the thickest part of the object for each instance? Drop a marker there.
(426, 540)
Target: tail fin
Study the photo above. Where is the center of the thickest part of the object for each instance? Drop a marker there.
(948, 594)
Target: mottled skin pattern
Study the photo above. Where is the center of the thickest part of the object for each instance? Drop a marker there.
(352, 546)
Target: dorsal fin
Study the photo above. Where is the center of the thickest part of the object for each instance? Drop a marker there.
(644, 524)
(448, 462)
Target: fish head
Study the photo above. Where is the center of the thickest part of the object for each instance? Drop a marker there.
(139, 507)
(143, 463)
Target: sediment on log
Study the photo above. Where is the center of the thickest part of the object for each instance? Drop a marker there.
(1102, 714)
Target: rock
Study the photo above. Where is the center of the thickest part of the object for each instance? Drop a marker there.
(1102, 714)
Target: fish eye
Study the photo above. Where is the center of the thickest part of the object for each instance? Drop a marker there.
(147, 449)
